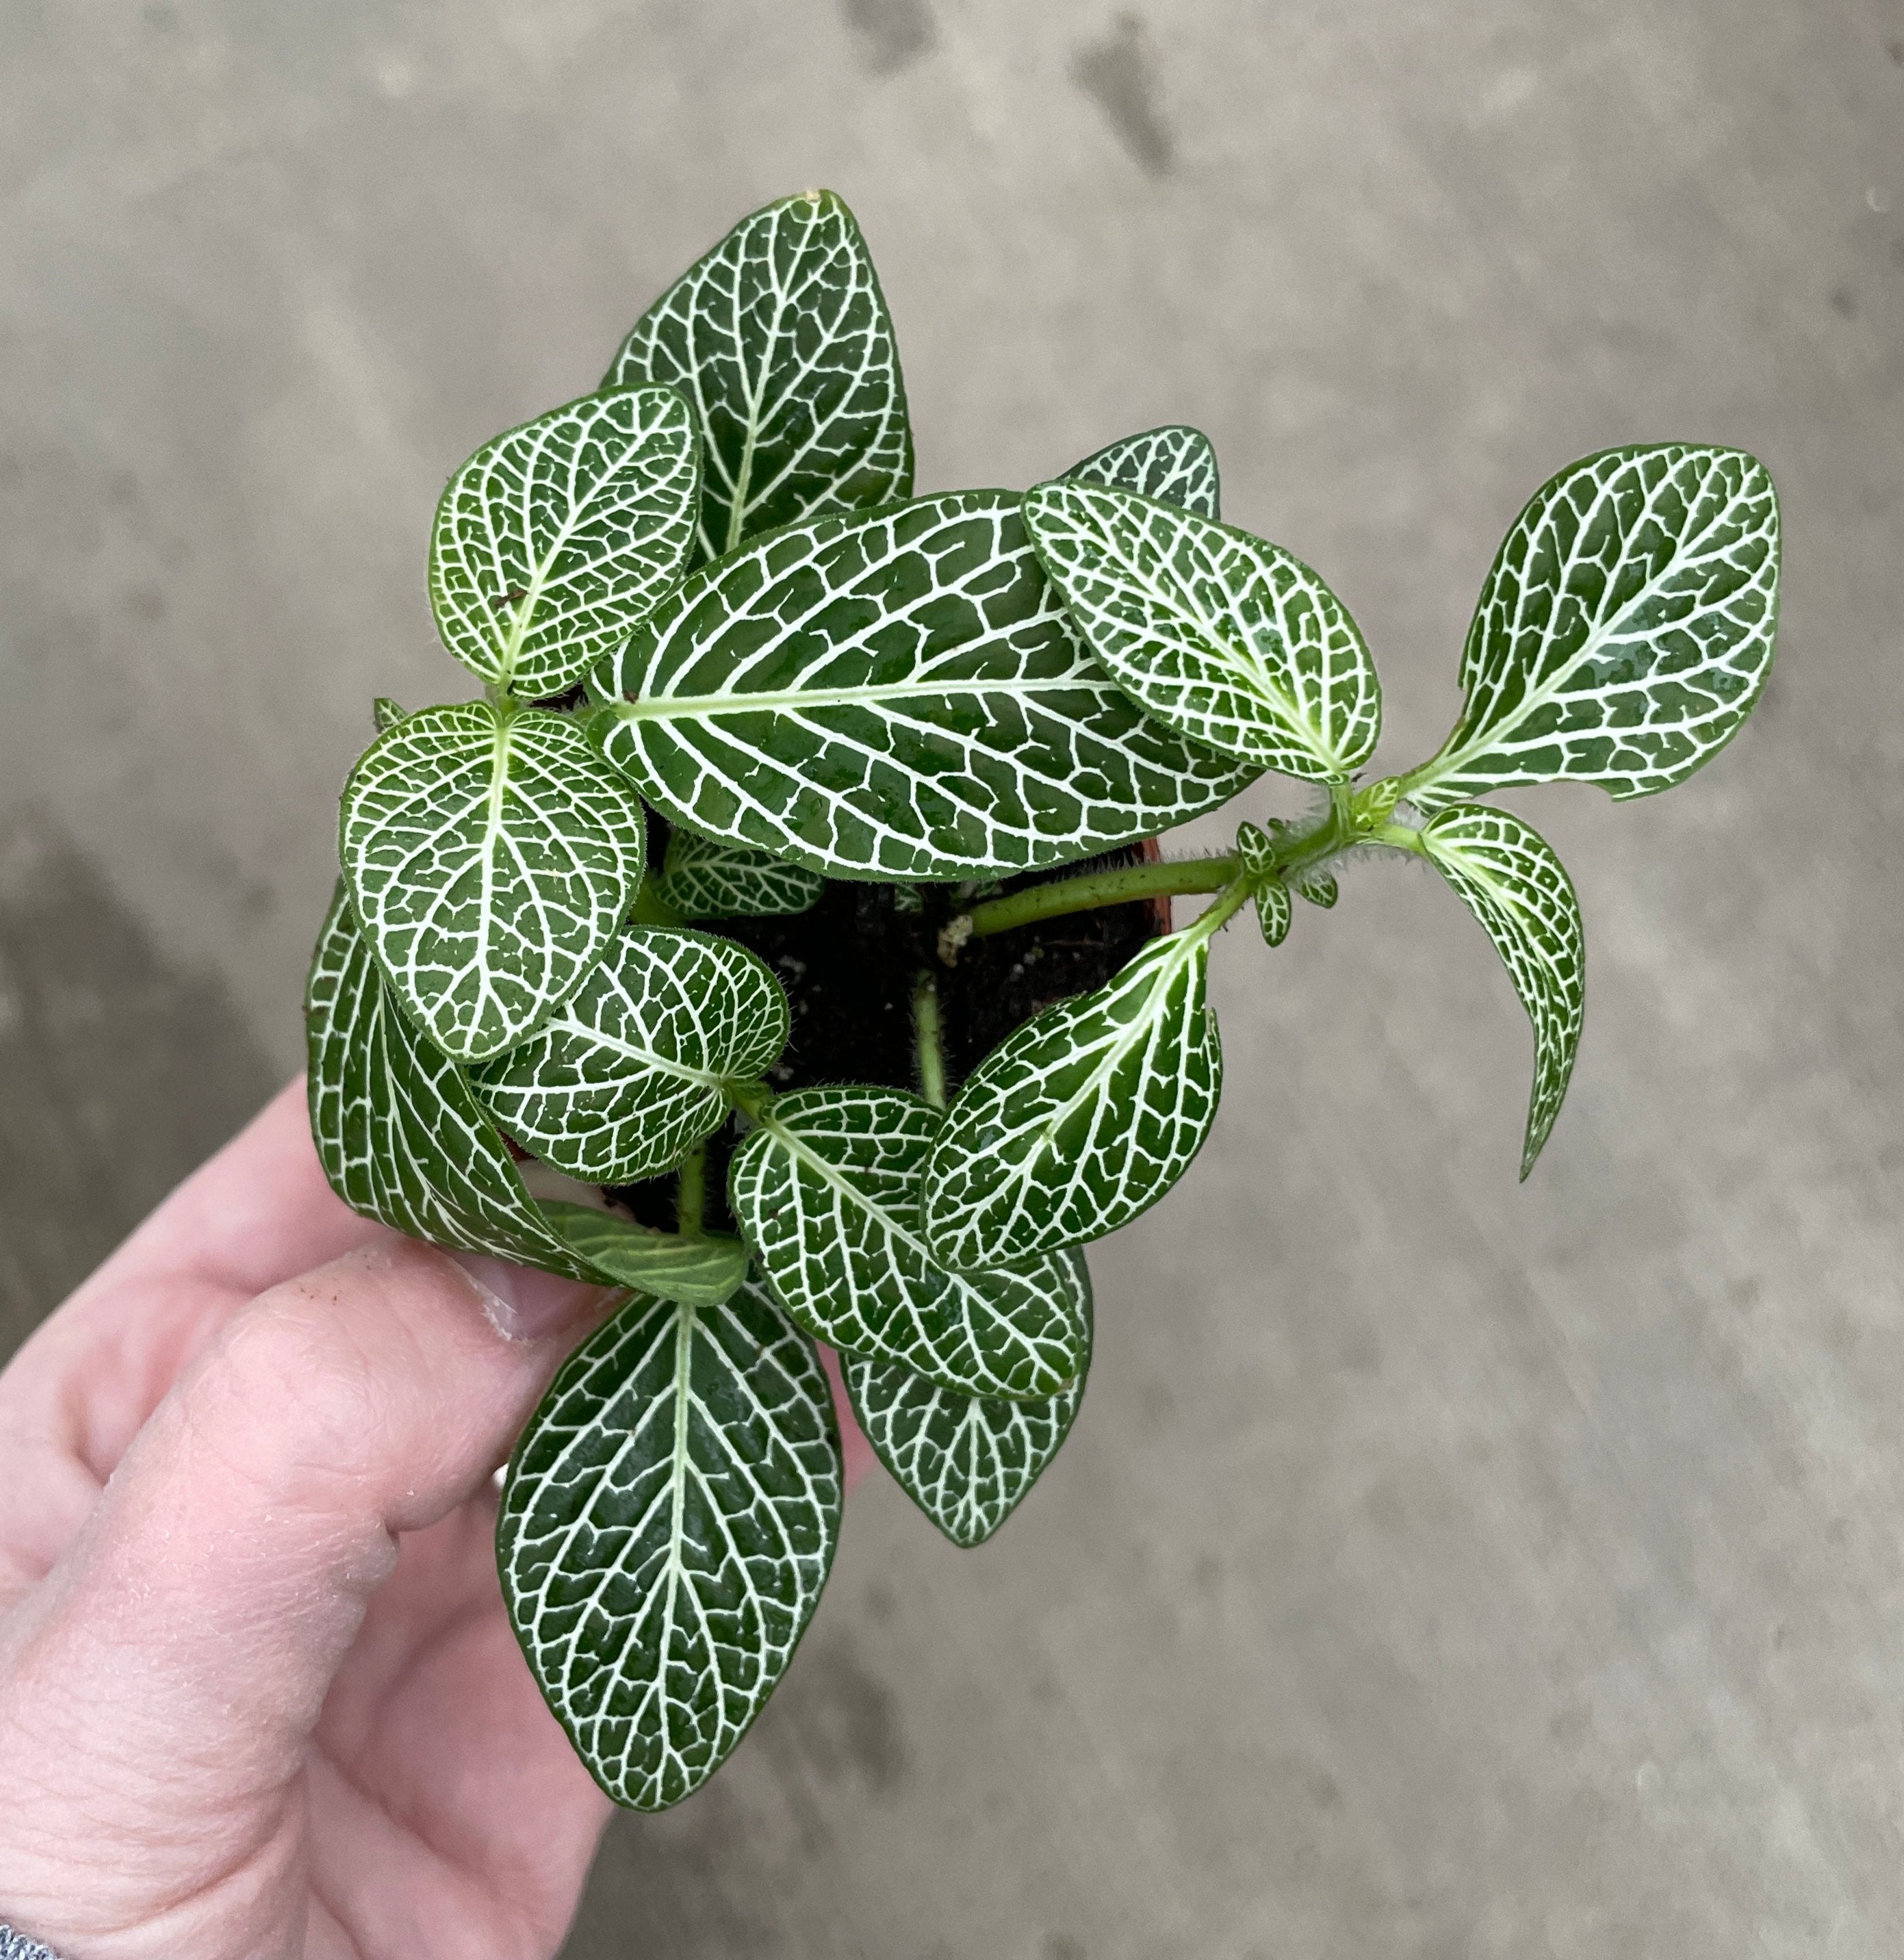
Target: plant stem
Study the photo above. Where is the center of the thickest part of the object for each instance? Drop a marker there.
(927, 1042)
(1349, 820)
(691, 1192)
(1099, 888)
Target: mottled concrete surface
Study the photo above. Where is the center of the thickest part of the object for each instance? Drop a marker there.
(1440, 1568)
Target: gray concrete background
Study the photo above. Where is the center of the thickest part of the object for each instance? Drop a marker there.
(1440, 1568)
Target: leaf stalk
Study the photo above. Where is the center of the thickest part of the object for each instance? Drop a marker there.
(928, 1040)
(1096, 889)
(691, 1192)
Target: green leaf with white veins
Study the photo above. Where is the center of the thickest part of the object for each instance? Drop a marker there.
(1235, 642)
(552, 540)
(780, 338)
(491, 854)
(704, 879)
(826, 1191)
(1625, 631)
(965, 1460)
(700, 1271)
(669, 1520)
(1083, 1117)
(631, 1072)
(1177, 465)
(401, 1137)
(1508, 876)
(896, 696)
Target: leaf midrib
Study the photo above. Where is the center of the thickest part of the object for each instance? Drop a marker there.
(678, 707)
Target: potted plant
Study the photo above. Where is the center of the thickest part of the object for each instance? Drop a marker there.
(780, 935)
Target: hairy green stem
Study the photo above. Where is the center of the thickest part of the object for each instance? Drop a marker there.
(1350, 819)
(927, 1040)
(1100, 888)
(691, 1192)
(1231, 900)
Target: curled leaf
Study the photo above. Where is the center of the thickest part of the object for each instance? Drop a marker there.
(1508, 877)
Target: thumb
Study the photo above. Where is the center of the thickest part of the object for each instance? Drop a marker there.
(165, 1676)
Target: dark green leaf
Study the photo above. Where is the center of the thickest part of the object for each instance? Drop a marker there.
(1082, 1118)
(704, 879)
(491, 856)
(1175, 464)
(1257, 855)
(670, 1517)
(965, 1460)
(897, 696)
(1625, 631)
(1233, 642)
(826, 1191)
(400, 1135)
(553, 539)
(1508, 877)
(780, 338)
(632, 1072)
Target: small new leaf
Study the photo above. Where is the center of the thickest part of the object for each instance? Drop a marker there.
(552, 540)
(1508, 877)
(491, 854)
(1257, 856)
(401, 1137)
(385, 713)
(631, 1072)
(966, 1461)
(1625, 631)
(897, 696)
(670, 1517)
(780, 338)
(704, 879)
(826, 1192)
(1177, 465)
(1320, 888)
(1082, 1118)
(699, 1271)
(1234, 642)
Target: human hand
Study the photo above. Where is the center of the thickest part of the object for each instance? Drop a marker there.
(259, 1696)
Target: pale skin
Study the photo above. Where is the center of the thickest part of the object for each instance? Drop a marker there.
(259, 1698)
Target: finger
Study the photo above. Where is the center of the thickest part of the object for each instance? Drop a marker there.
(258, 1212)
(224, 1574)
(436, 1715)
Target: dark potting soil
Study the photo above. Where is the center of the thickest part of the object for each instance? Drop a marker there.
(850, 965)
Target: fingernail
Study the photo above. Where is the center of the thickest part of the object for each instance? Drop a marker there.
(522, 1304)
